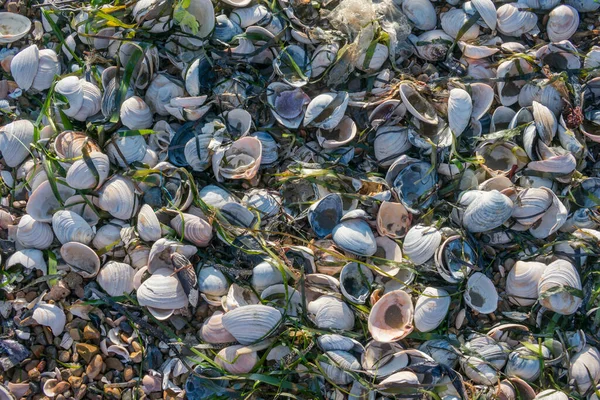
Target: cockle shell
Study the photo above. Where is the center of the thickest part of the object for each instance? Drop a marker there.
(34, 234)
(193, 229)
(50, 315)
(116, 278)
(71, 227)
(563, 22)
(81, 176)
(420, 243)
(15, 139)
(213, 330)
(81, 259)
(330, 312)
(235, 363)
(391, 318)
(522, 282)
(431, 309)
(263, 321)
(560, 275)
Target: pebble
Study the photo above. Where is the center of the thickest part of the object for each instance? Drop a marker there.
(94, 368)
(114, 364)
(90, 333)
(128, 373)
(136, 357)
(112, 393)
(74, 332)
(86, 351)
(58, 291)
(37, 350)
(75, 381)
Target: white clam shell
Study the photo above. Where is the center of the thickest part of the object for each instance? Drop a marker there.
(42, 202)
(160, 92)
(420, 243)
(264, 275)
(252, 323)
(160, 253)
(431, 309)
(51, 316)
(330, 312)
(557, 275)
(135, 114)
(584, 369)
(24, 66)
(16, 26)
(81, 259)
(487, 11)
(416, 104)
(390, 143)
(71, 88)
(522, 282)
(334, 103)
(80, 176)
(117, 197)
(212, 282)
(483, 97)
(194, 229)
(148, 226)
(48, 67)
(323, 57)
(525, 364)
(69, 226)
(240, 160)
(340, 361)
(453, 21)
(481, 294)
(162, 291)
(514, 20)
(551, 394)
(421, 13)
(562, 23)
(355, 236)
(34, 234)
(125, 150)
(489, 211)
(213, 330)
(29, 259)
(15, 139)
(460, 107)
(116, 278)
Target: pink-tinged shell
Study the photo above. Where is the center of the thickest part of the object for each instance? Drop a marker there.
(239, 161)
(232, 363)
(194, 229)
(393, 220)
(213, 331)
(391, 318)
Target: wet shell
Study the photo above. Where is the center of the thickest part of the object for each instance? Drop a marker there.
(522, 282)
(431, 309)
(81, 259)
(51, 316)
(34, 234)
(252, 323)
(116, 278)
(70, 227)
(391, 318)
(560, 275)
(420, 243)
(194, 229)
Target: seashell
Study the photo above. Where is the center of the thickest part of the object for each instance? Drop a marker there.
(481, 294)
(355, 236)
(402, 379)
(514, 388)
(459, 110)
(323, 57)
(387, 249)
(329, 312)
(81, 259)
(442, 351)
(389, 112)
(525, 364)
(136, 114)
(213, 331)
(125, 150)
(161, 90)
(453, 259)
(355, 282)
(545, 122)
(562, 23)
(265, 275)
(513, 20)
(69, 226)
(393, 220)
(212, 282)
(431, 309)
(584, 369)
(51, 316)
(204, 12)
(230, 361)
(551, 394)
(16, 27)
(109, 236)
(148, 225)
(487, 11)
(487, 358)
(162, 292)
(339, 363)
(391, 142)
(42, 202)
(453, 21)
(339, 136)
(30, 259)
(391, 318)
(263, 319)
(483, 97)
(81, 176)
(522, 282)
(557, 277)
(15, 139)
(34, 234)
(554, 217)
(431, 46)
(420, 243)
(238, 296)
(489, 211)
(479, 50)
(116, 278)
(161, 251)
(193, 229)
(241, 160)
(421, 13)
(411, 195)
(287, 104)
(248, 16)
(285, 299)
(91, 102)
(326, 110)
(509, 91)
(24, 66)
(293, 65)
(48, 67)
(226, 29)
(117, 197)
(416, 104)
(69, 145)
(378, 57)
(324, 215)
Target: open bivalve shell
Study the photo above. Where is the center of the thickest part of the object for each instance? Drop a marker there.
(50, 315)
(554, 287)
(481, 294)
(391, 318)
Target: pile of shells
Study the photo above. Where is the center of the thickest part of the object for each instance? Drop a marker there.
(336, 200)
